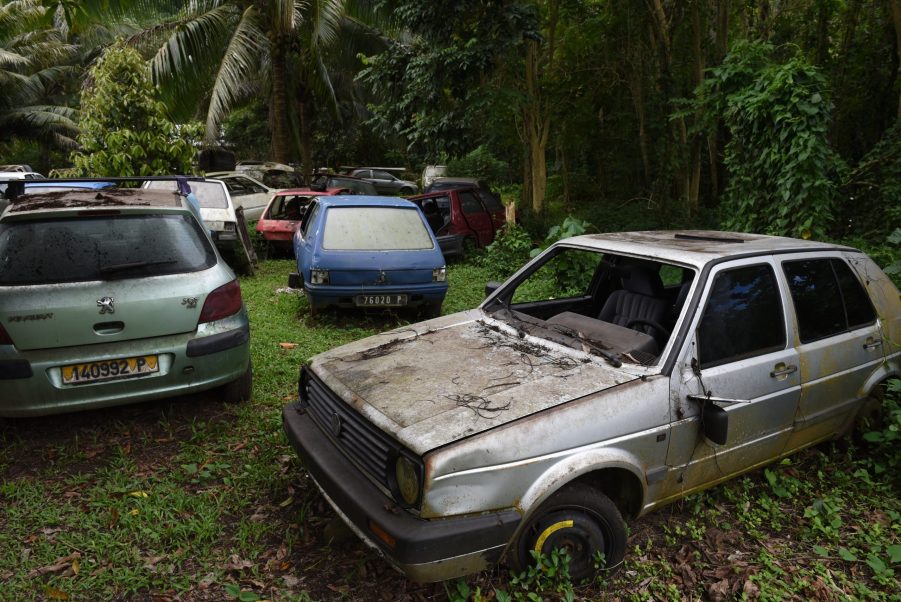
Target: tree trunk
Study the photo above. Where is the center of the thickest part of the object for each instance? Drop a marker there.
(281, 142)
(636, 86)
(694, 184)
(896, 18)
(306, 114)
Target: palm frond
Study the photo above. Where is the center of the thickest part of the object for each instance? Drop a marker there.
(235, 69)
(197, 41)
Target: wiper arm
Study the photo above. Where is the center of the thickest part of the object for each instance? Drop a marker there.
(134, 264)
(612, 358)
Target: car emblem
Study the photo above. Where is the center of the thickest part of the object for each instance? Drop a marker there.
(382, 278)
(337, 425)
(189, 302)
(106, 305)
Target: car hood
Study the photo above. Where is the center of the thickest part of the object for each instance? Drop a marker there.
(433, 383)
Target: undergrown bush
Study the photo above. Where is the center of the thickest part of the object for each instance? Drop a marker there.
(508, 252)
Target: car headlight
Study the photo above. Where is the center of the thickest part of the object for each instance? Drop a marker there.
(406, 477)
(318, 276)
(439, 275)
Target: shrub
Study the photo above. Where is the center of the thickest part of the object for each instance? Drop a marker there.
(508, 252)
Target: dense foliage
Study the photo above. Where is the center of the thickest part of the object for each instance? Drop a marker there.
(124, 128)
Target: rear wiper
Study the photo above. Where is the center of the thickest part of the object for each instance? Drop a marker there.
(118, 267)
(613, 358)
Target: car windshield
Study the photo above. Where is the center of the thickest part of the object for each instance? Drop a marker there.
(209, 194)
(622, 308)
(375, 229)
(101, 248)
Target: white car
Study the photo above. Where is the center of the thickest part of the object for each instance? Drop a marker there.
(246, 192)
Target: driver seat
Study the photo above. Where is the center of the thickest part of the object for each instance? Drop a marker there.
(640, 298)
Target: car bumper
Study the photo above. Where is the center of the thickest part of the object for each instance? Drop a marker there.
(424, 550)
(187, 363)
(343, 296)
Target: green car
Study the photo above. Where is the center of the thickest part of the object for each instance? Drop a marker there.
(114, 297)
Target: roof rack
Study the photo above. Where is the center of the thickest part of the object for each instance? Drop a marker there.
(16, 188)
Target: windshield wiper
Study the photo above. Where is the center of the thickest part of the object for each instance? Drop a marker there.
(118, 267)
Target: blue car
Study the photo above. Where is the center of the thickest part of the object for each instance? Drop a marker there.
(368, 252)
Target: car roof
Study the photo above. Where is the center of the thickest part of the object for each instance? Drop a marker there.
(451, 179)
(304, 192)
(18, 175)
(361, 200)
(697, 247)
(68, 200)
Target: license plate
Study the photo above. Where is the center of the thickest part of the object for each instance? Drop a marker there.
(110, 369)
(381, 300)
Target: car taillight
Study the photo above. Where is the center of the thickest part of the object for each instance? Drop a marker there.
(221, 303)
(5, 339)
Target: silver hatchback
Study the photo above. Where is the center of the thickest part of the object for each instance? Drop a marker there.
(114, 297)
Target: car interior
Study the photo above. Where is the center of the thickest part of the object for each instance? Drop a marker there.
(609, 303)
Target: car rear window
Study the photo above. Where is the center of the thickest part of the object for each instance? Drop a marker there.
(101, 248)
(209, 194)
(375, 229)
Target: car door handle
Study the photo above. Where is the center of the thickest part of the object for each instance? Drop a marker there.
(781, 370)
(872, 344)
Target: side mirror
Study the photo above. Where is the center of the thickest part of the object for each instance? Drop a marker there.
(715, 421)
(491, 286)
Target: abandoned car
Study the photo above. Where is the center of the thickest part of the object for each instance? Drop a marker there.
(611, 375)
(368, 252)
(459, 219)
(112, 297)
(281, 218)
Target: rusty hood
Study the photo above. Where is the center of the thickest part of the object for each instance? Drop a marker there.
(433, 383)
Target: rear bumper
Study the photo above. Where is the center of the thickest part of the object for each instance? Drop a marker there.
(343, 296)
(221, 354)
(424, 550)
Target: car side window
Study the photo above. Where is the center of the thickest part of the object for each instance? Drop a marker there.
(828, 298)
(742, 317)
(381, 175)
(470, 204)
(309, 217)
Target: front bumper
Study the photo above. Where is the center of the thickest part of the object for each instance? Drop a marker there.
(188, 363)
(424, 550)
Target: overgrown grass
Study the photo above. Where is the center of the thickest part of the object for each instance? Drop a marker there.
(193, 499)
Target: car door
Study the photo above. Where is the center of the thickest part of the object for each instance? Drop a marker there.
(384, 182)
(839, 343)
(738, 355)
(476, 217)
(249, 194)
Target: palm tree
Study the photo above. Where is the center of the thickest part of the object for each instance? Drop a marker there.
(241, 46)
(33, 64)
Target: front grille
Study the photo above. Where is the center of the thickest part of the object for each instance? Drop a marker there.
(369, 448)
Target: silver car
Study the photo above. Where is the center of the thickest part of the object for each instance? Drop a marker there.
(611, 375)
(114, 297)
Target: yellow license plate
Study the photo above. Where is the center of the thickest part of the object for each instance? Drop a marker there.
(110, 369)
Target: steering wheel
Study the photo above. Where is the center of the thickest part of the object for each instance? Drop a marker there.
(656, 326)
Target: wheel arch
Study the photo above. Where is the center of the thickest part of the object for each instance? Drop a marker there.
(614, 473)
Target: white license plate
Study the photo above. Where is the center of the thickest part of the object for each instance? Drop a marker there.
(381, 300)
(90, 372)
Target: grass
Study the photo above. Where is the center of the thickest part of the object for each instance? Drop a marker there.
(193, 499)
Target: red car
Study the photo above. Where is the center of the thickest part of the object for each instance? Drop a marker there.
(281, 218)
(460, 216)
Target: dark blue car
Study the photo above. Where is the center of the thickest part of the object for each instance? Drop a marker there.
(368, 251)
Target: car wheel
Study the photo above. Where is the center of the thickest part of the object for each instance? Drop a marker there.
(581, 520)
(870, 417)
(239, 389)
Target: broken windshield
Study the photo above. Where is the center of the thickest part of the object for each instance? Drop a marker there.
(621, 308)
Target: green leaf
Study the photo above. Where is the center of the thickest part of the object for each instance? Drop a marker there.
(846, 555)
(820, 551)
(894, 553)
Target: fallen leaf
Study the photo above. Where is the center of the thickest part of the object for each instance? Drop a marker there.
(134, 512)
(139, 494)
(718, 591)
(237, 564)
(113, 517)
(151, 561)
(341, 589)
(60, 564)
(750, 591)
(287, 502)
(291, 581)
(71, 494)
(55, 594)
(76, 565)
(287, 345)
